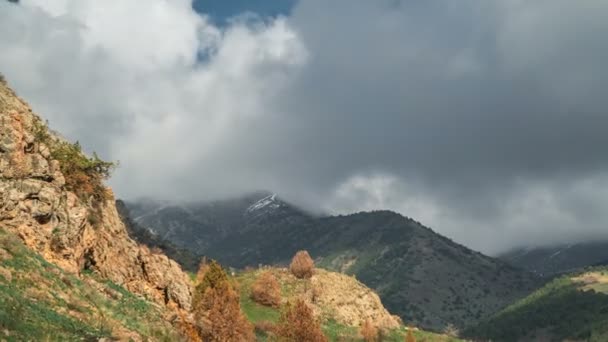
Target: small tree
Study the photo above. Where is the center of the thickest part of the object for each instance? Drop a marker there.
(369, 331)
(410, 336)
(266, 290)
(224, 320)
(216, 307)
(302, 265)
(297, 323)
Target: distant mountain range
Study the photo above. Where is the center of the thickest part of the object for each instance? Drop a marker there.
(427, 279)
(550, 261)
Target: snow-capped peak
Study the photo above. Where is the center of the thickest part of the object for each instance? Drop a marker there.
(268, 202)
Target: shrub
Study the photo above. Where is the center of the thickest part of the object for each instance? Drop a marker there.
(266, 327)
(297, 323)
(302, 265)
(369, 331)
(84, 176)
(409, 337)
(224, 320)
(210, 275)
(216, 307)
(266, 290)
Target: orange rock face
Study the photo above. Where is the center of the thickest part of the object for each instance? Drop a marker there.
(53, 221)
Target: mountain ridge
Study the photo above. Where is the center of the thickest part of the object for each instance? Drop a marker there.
(391, 253)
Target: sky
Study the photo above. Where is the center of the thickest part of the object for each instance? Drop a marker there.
(484, 120)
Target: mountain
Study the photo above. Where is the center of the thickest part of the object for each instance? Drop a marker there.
(553, 260)
(572, 307)
(71, 270)
(420, 275)
(188, 260)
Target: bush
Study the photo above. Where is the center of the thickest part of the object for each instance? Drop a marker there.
(224, 320)
(216, 307)
(410, 336)
(297, 323)
(266, 290)
(210, 275)
(302, 265)
(84, 176)
(266, 327)
(369, 331)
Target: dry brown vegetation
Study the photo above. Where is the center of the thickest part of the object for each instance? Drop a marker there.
(297, 323)
(410, 336)
(302, 265)
(266, 290)
(369, 331)
(216, 307)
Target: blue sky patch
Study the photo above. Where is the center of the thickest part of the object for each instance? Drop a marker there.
(222, 10)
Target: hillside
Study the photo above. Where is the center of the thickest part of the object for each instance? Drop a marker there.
(41, 302)
(187, 259)
(396, 256)
(70, 271)
(572, 307)
(339, 301)
(552, 260)
(53, 198)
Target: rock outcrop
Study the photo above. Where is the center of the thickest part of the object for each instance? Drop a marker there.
(334, 296)
(35, 204)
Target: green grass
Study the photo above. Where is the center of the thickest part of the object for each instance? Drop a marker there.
(42, 302)
(561, 308)
(336, 331)
(332, 329)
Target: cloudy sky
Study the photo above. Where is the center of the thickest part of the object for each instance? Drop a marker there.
(485, 120)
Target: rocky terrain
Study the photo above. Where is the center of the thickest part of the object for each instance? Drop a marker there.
(396, 256)
(70, 270)
(340, 302)
(62, 227)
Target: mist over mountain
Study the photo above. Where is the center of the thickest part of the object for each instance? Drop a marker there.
(395, 255)
(485, 120)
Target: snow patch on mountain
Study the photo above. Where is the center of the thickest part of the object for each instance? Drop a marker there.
(268, 202)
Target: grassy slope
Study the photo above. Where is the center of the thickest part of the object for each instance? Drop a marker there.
(569, 307)
(39, 301)
(335, 331)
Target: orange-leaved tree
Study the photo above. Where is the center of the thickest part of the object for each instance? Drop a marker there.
(410, 336)
(266, 290)
(297, 323)
(216, 307)
(302, 265)
(369, 331)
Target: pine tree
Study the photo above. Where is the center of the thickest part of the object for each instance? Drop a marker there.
(216, 307)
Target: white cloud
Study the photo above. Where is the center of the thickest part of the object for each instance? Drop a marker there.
(484, 120)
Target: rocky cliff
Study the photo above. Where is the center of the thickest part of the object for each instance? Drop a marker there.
(35, 204)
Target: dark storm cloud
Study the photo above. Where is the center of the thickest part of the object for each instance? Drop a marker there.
(485, 120)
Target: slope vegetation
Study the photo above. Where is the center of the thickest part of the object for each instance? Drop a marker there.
(41, 302)
(396, 256)
(340, 302)
(553, 260)
(572, 307)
